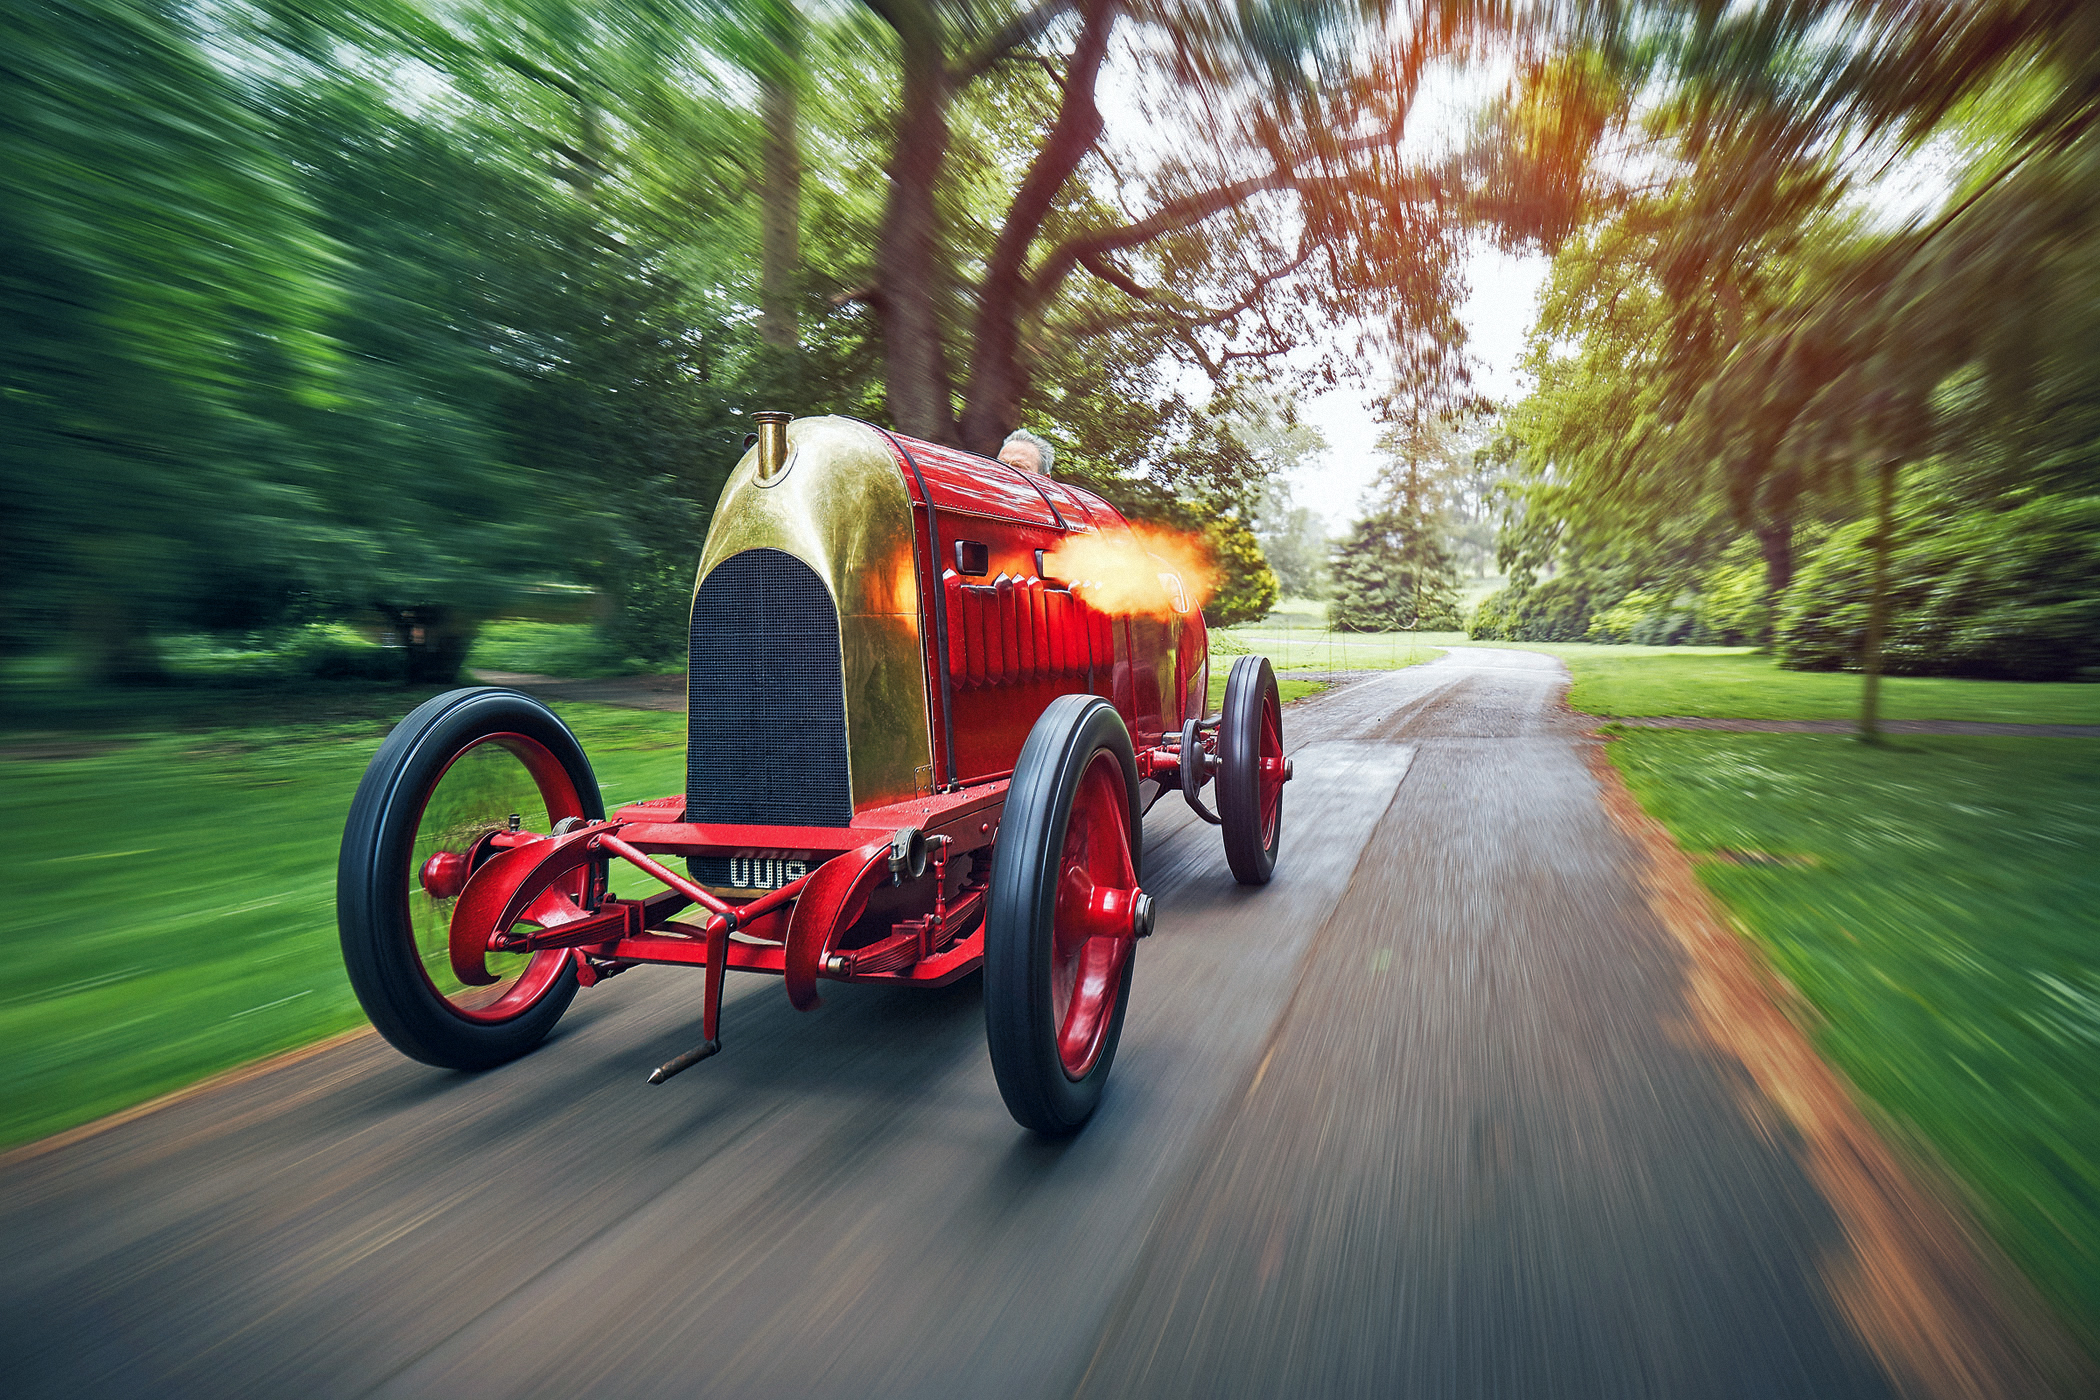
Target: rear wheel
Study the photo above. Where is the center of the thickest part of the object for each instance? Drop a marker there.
(444, 792)
(1065, 911)
(1251, 770)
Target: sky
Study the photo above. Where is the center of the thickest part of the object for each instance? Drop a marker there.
(1497, 315)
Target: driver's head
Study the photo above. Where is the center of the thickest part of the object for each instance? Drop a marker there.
(1030, 453)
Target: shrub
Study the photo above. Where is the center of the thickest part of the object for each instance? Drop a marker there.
(1489, 618)
(1732, 609)
(550, 649)
(2010, 595)
(339, 653)
(1648, 616)
(1245, 588)
(1557, 610)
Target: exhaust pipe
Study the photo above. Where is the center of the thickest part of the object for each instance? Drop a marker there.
(772, 442)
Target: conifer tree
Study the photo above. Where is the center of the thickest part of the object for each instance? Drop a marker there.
(1395, 572)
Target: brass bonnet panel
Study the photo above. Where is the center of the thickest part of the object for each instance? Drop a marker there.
(838, 503)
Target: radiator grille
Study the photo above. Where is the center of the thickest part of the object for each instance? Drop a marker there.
(766, 737)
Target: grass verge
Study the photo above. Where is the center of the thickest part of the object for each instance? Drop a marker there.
(1933, 902)
(1735, 683)
(175, 889)
(1288, 688)
(1305, 658)
(1317, 649)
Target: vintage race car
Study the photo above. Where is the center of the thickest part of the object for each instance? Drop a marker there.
(913, 750)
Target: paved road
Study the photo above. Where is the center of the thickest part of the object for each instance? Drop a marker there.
(1419, 1118)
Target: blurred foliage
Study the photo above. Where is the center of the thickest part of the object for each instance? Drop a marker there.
(1558, 610)
(1725, 606)
(1740, 342)
(2013, 594)
(549, 649)
(163, 299)
(389, 312)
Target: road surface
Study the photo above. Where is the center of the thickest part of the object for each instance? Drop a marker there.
(1420, 1118)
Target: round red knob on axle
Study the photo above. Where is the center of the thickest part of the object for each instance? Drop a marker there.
(444, 875)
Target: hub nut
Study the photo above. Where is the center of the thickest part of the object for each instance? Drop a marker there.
(1141, 915)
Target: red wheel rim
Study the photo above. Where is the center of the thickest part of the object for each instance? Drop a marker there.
(1091, 925)
(467, 804)
(1271, 768)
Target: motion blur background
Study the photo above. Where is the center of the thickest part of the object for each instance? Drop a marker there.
(344, 346)
(336, 324)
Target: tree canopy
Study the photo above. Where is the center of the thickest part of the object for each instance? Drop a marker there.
(395, 308)
(1743, 337)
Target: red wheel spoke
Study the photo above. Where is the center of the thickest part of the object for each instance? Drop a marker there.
(466, 816)
(1272, 769)
(1091, 933)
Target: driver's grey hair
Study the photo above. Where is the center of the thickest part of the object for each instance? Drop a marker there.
(1046, 450)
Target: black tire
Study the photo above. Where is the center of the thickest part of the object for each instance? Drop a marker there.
(1253, 830)
(1022, 1023)
(387, 919)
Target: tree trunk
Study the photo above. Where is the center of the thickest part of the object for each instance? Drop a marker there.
(780, 192)
(111, 643)
(1877, 606)
(907, 255)
(992, 401)
(434, 642)
(113, 648)
(1776, 543)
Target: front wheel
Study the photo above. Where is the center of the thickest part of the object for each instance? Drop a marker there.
(1065, 912)
(1251, 771)
(466, 773)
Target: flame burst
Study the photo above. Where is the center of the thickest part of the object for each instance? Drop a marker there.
(1149, 572)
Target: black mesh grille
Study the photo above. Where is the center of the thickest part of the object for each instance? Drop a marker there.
(767, 735)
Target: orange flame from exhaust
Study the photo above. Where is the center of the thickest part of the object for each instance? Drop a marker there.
(1150, 572)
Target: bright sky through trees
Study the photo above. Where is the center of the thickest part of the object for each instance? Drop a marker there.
(1497, 314)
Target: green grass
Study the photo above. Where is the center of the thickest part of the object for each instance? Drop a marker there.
(1935, 901)
(1317, 649)
(1735, 683)
(1304, 654)
(1288, 688)
(173, 882)
(550, 649)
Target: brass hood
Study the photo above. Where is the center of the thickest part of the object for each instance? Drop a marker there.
(838, 503)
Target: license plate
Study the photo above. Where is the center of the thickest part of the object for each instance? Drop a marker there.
(750, 874)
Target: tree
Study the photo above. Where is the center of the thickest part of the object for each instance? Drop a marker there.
(1753, 352)
(1294, 540)
(1394, 572)
(1305, 205)
(1782, 114)
(161, 305)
